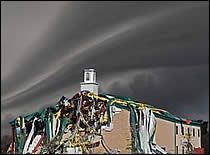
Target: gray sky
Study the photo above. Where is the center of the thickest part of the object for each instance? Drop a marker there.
(156, 52)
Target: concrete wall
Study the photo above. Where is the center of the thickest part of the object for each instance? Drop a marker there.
(92, 87)
(165, 135)
(119, 137)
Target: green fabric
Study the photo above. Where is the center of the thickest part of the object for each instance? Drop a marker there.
(51, 120)
(135, 126)
(153, 135)
(63, 123)
(16, 139)
(172, 118)
(164, 115)
(21, 145)
(42, 114)
(109, 112)
(47, 129)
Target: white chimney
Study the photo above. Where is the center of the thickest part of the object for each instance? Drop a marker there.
(89, 83)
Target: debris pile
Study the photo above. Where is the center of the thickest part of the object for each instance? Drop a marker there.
(74, 126)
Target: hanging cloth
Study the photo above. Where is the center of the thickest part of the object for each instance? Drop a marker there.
(29, 137)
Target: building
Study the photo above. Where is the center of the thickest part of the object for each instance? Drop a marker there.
(175, 135)
(182, 138)
(128, 126)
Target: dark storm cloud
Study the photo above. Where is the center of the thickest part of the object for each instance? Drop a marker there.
(119, 40)
(74, 27)
(181, 90)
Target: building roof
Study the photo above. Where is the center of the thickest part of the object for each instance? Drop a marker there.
(114, 99)
(159, 113)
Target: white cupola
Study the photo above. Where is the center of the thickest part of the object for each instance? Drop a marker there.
(89, 83)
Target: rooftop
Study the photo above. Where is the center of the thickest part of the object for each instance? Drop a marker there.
(122, 101)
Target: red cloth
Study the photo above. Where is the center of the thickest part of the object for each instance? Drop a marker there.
(188, 121)
(39, 142)
(12, 140)
(199, 150)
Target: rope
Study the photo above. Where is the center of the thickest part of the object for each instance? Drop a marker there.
(107, 148)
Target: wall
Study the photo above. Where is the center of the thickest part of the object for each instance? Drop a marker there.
(92, 87)
(165, 135)
(119, 137)
(180, 138)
